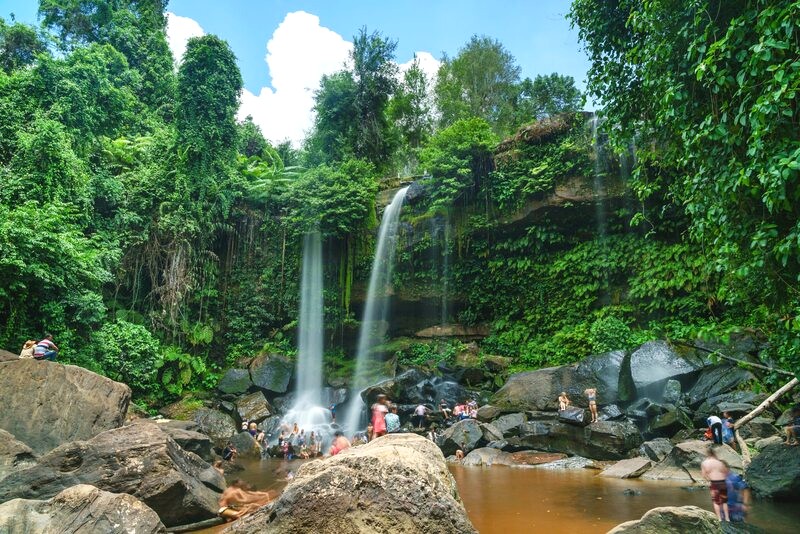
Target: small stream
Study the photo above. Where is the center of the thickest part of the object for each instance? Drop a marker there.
(503, 500)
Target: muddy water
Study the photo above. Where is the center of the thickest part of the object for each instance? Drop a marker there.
(502, 500)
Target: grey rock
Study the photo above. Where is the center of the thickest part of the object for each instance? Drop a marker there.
(140, 460)
(672, 519)
(45, 404)
(628, 468)
(712, 405)
(246, 445)
(775, 473)
(191, 441)
(713, 381)
(487, 456)
(253, 407)
(216, 425)
(758, 427)
(235, 381)
(487, 413)
(509, 424)
(464, 435)
(657, 361)
(604, 440)
(610, 413)
(656, 449)
(573, 416)
(672, 391)
(272, 372)
(763, 443)
(81, 509)
(14, 454)
(396, 483)
(669, 423)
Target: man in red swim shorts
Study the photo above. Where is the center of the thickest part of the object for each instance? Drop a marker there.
(715, 470)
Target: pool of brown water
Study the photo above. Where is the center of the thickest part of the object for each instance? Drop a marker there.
(504, 500)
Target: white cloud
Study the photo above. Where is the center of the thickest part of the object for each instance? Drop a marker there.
(179, 31)
(429, 65)
(299, 52)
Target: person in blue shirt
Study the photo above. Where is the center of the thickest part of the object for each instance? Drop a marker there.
(738, 497)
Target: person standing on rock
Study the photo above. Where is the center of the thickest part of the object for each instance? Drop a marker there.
(591, 394)
(716, 471)
(379, 411)
(715, 424)
(419, 415)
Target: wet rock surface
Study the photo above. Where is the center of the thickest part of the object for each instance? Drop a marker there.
(235, 381)
(396, 483)
(216, 425)
(253, 407)
(775, 473)
(139, 459)
(81, 509)
(45, 404)
(272, 372)
(672, 519)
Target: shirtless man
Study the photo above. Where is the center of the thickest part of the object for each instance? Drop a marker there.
(591, 394)
(715, 471)
(239, 499)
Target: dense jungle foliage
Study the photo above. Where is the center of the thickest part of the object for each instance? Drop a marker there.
(159, 239)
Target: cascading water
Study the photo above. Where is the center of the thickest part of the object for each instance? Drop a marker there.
(376, 310)
(446, 273)
(307, 410)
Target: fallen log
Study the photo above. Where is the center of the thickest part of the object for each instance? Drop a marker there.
(214, 521)
(760, 408)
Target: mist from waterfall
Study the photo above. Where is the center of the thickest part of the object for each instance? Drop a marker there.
(376, 309)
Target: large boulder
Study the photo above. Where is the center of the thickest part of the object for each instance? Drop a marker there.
(235, 381)
(396, 483)
(272, 372)
(656, 449)
(656, 361)
(670, 422)
(672, 520)
(465, 435)
(246, 445)
(716, 380)
(216, 425)
(775, 473)
(683, 462)
(190, 440)
(45, 404)
(14, 454)
(140, 460)
(486, 456)
(509, 424)
(6, 356)
(604, 440)
(81, 509)
(253, 407)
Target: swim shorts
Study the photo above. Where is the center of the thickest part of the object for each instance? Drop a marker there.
(719, 492)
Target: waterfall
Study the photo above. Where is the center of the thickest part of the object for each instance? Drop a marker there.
(309, 342)
(376, 309)
(446, 273)
(307, 410)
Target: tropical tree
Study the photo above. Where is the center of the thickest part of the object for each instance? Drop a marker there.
(546, 96)
(479, 82)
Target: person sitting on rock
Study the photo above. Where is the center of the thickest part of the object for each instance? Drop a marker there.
(239, 500)
(392, 420)
(459, 454)
(793, 427)
(563, 401)
(716, 471)
(46, 349)
(445, 409)
(28, 349)
(339, 444)
(253, 429)
(244, 426)
(229, 452)
(218, 466)
(458, 410)
(432, 435)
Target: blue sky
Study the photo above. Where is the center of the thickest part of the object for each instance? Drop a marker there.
(534, 31)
